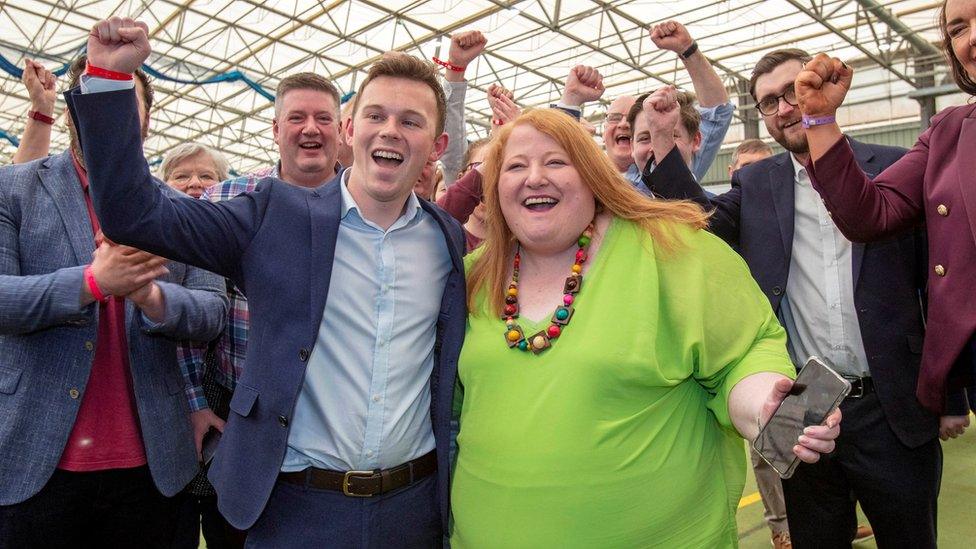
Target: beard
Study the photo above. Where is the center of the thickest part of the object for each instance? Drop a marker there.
(795, 143)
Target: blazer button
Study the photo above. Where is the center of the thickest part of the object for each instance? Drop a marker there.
(943, 210)
(940, 270)
(283, 421)
(303, 354)
(89, 346)
(777, 290)
(73, 393)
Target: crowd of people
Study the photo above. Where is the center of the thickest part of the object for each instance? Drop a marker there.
(310, 355)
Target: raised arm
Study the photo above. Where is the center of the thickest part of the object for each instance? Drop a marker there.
(583, 84)
(130, 204)
(36, 140)
(863, 210)
(465, 48)
(673, 36)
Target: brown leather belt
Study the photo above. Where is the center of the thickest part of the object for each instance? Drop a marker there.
(364, 484)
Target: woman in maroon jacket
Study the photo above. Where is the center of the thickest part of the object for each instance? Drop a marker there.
(933, 184)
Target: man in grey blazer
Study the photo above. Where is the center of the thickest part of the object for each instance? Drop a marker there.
(94, 425)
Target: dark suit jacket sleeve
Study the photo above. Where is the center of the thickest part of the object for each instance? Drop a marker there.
(134, 211)
(866, 210)
(671, 179)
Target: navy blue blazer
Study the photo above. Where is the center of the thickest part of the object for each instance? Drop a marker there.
(46, 336)
(756, 218)
(277, 244)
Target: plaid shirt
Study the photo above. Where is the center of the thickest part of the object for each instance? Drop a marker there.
(231, 346)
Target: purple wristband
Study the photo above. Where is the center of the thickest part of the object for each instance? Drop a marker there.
(811, 121)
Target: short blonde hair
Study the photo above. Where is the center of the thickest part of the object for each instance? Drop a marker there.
(612, 193)
(183, 151)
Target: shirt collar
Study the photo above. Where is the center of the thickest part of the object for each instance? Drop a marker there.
(798, 169)
(410, 211)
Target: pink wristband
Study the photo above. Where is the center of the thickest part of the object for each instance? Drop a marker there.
(96, 292)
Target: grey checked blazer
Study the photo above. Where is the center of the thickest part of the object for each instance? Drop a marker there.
(47, 339)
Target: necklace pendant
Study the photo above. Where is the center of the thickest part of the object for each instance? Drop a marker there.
(539, 342)
(562, 315)
(573, 285)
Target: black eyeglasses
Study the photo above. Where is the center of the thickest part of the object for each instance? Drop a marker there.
(770, 105)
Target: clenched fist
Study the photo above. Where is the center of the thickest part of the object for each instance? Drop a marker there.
(119, 44)
(822, 85)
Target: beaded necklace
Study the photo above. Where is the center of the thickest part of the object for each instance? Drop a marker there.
(543, 339)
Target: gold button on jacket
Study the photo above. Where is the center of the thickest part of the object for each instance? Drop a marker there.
(940, 270)
(943, 210)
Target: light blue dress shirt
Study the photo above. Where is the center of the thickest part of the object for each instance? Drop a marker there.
(818, 310)
(365, 403)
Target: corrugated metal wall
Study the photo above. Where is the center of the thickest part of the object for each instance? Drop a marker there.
(899, 135)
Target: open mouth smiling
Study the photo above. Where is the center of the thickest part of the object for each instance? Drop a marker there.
(388, 159)
(540, 203)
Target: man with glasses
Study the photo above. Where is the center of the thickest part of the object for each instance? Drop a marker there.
(857, 306)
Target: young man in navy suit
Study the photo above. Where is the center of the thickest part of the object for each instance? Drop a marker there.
(340, 424)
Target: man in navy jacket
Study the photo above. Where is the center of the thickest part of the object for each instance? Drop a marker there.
(356, 293)
(856, 305)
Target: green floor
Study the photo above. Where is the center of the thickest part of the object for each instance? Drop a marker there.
(957, 502)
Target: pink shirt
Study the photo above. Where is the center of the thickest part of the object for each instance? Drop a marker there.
(106, 432)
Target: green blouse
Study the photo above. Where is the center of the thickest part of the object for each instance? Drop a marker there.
(618, 435)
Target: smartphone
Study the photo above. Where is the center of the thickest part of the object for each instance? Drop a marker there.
(209, 447)
(817, 391)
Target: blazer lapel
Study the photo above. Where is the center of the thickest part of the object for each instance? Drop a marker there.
(324, 208)
(781, 179)
(966, 167)
(61, 182)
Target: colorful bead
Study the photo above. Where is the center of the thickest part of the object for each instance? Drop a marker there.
(510, 309)
(584, 241)
(511, 300)
(512, 291)
(554, 331)
(580, 256)
(568, 299)
(577, 268)
(562, 314)
(523, 345)
(513, 335)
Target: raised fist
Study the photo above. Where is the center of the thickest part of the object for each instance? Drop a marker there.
(466, 47)
(583, 84)
(662, 112)
(41, 87)
(119, 44)
(671, 35)
(822, 85)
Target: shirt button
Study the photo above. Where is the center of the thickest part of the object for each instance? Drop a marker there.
(777, 290)
(283, 421)
(73, 393)
(89, 346)
(376, 398)
(303, 354)
(940, 270)
(943, 210)
(369, 453)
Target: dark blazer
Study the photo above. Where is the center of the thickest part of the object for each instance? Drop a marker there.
(756, 218)
(934, 183)
(277, 244)
(46, 337)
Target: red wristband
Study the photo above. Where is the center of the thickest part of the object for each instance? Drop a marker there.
(40, 117)
(448, 65)
(92, 70)
(96, 292)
